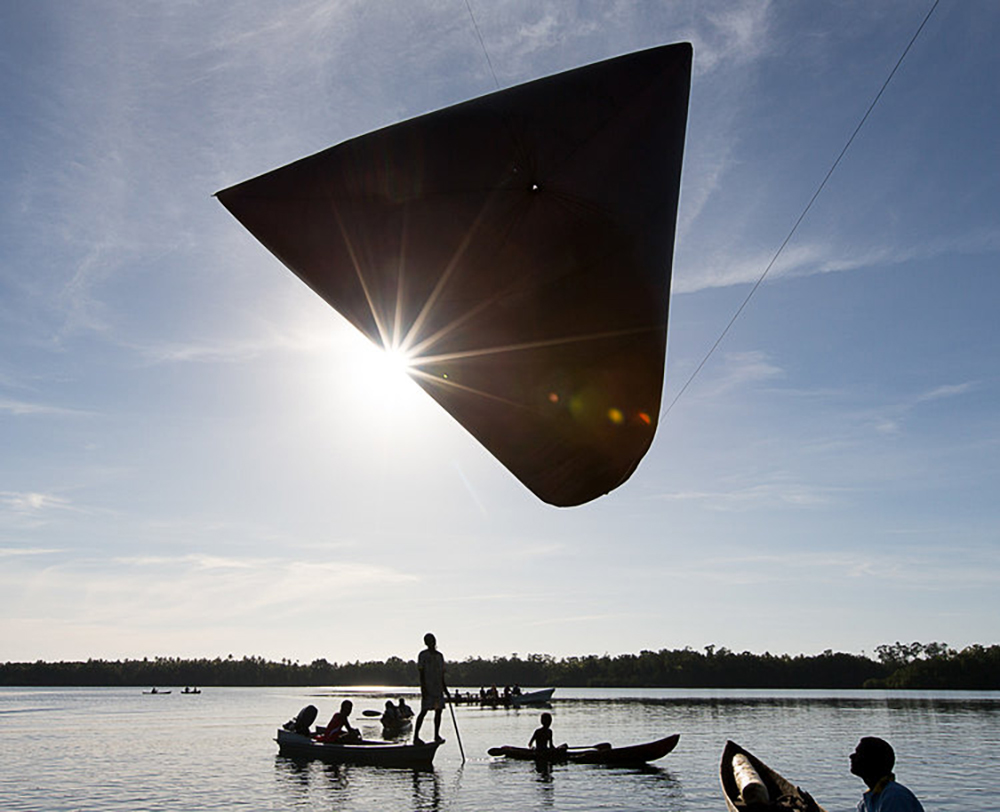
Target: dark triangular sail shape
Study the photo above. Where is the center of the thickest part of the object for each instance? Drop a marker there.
(519, 247)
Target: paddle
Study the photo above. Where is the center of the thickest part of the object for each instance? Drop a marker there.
(499, 751)
(457, 735)
(371, 713)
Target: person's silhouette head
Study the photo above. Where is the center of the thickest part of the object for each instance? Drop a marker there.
(429, 640)
(872, 760)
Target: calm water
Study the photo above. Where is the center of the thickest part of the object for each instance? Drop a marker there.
(115, 749)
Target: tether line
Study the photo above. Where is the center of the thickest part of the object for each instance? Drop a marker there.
(802, 216)
(482, 44)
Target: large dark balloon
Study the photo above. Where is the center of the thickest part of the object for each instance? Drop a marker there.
(518, 247)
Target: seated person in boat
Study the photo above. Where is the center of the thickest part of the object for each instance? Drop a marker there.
(390, 716)
(339, 728)
(872, 761)
(541, 739)
(405, 711)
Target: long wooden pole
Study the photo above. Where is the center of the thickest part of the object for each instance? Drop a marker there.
(457, 734)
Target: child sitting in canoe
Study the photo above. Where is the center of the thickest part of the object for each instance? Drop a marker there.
(541, 739)
(339, 728)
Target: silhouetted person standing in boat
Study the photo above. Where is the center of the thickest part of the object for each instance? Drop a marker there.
(872, 761)
(430, 664)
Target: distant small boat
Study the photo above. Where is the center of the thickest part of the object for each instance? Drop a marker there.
(539, 697)
(770, 789)
(374, 753)
(191, 691)
(597, 754)
(532, 697)
(156, 692)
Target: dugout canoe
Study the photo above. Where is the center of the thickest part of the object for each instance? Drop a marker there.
(374, 753)
(393, 728)
(598, 754)
(782, 794)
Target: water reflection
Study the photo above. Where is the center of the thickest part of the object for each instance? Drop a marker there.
(544, 784)
(315, 784)
(426, 791)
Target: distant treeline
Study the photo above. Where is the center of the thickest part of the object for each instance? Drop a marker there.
(917, 665)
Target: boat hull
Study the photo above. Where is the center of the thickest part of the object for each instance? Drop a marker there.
(633, 754)
(397, 728)
(533, 698)
(777, 785)
(540, 697)
(373, 753)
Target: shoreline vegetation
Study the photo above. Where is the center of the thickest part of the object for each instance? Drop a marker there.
(898, 665)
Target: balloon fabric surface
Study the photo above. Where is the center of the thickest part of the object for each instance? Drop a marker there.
(517, 249)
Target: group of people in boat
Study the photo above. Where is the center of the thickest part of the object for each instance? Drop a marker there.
(488, 696)
(433, 691)
(187, 690)
(339, 728)
(396, 715)
(873, 760)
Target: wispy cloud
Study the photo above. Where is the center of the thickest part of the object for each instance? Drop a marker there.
(735, 371)
(574, 619)
(308, 335)
(920, 570)
(781, 492)
(12, 552)
(946, 391)
(891, 418)
(168, 590)
(23, 407)
(737, 34)
(32, 503)
(810, 258)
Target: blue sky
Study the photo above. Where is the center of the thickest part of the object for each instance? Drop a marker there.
(199, 457)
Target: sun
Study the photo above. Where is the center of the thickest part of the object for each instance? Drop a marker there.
(396, 361)
(384, 376)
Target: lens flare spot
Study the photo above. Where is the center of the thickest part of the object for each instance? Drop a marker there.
(645, 418)
(615, 416)
(553, 397)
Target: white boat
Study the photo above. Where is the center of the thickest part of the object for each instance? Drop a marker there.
(533, 697)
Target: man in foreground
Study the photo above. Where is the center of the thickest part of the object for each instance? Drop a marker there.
(430, 664)
(872, 761)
